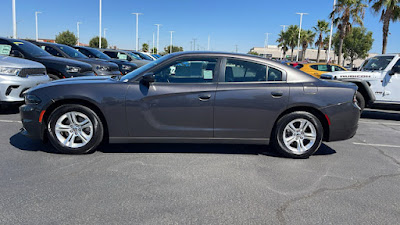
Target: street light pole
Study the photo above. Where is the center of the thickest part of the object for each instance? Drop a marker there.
(298, 42)
(99, 23)
(170, 48)
(266, 40)
(77, 29)
(152, 49)
(14, 16)
(208, 46)
(36, 20)
(137, 30)
(104, 32)
(158, 36)
(328, 57)
(194, 44)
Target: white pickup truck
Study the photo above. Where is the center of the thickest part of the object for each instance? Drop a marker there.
(378, 80)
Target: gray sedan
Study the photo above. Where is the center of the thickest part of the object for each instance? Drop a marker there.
(195, 97)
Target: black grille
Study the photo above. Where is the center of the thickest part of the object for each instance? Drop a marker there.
(32, 72)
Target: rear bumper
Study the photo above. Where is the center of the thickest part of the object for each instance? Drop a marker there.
(12, 87)
(344, 121)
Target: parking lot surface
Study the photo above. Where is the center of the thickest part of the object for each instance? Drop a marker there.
(350, 182)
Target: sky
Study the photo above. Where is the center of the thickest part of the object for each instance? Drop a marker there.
(229, 24)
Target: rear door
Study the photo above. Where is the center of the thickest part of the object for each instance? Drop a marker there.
(249, 98)
(179, 104)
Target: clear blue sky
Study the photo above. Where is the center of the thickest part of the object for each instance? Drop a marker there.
(229, 23)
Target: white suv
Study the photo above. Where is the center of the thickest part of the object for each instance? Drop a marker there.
(378, 80)
(18, 75)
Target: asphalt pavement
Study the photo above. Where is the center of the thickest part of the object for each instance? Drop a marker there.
(349, 182)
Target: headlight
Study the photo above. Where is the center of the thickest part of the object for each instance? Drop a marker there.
(8, 71)
(72, 69)
(126, 67)
(103, 68)
(32, 99)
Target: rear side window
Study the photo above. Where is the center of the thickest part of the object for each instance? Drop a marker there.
(243, 71)
(5, 49)
(337, 68)
(325, 68)
(86, 52)
(122, 56)
(51, 50)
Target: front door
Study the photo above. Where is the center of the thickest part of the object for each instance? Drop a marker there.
(179, 104)
(391, 85)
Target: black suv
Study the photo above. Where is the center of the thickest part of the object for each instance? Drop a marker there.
(99, 66)
(56, 68)
(125, 55)
(124, 66)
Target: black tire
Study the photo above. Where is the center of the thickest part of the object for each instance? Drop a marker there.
(97, 129)
(277, 140)
(360, 101)
(53, 77)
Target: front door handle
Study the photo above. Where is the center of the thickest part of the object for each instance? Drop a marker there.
(204, 97)
(277, 94)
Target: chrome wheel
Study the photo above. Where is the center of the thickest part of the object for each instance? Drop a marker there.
(73, 129)
(299, 136)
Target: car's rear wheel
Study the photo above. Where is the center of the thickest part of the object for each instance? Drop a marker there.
(297, 135)
(75, 129)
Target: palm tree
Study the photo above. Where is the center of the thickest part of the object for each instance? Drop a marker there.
(307, 39)
(390, 12)
(282, 40)
(346, 13)
(321, 28)
(291, 37)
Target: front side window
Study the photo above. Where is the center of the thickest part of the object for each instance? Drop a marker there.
(397, 65)
(122, 56)
(187, 71)
(51, 50)
(324, 68)
(242, 71)
(337, 68)
(73, 53)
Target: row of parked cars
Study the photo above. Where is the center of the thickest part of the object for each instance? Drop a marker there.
(40, 62)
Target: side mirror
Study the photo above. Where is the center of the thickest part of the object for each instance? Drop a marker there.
(394, 70)
(16, 53)
(148, 78)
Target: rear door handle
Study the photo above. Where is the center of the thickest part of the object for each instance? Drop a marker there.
(277, 94)
(204, 97)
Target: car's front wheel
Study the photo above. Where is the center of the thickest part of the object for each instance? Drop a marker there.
(297, 135)
(75, 129)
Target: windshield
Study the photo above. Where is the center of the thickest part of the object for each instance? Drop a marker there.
(141, 69)
(31, 49)
(99, 54)
(134, 56)
(73, 53)
(378, 63)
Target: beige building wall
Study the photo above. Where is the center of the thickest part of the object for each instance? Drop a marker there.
(273, 51)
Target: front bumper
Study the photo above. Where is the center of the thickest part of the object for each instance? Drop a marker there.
(32, 128)
(343, 121)
(13, 87)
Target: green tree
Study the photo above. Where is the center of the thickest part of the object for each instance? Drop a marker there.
(357, 44)
(346, 13)
(321, 28)
(167, 49)
(145, 47)
(307, 39)
(291, 37)
(66, 38)
(390, 11)
(253, 53)
(282, 40)
(153, 50)
(94, 42)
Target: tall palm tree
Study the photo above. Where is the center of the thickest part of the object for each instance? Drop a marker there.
(292, 37)
(321, 28)
(282, 40)
(307, 39)
(390, 12)
(346, 13)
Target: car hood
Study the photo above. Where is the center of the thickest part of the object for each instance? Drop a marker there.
(365, 75)
(76, 81)
(96, 62)
(13, 62)
(63, 61)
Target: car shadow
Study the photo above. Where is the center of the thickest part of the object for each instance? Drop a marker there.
(26, 144)
(380, 115)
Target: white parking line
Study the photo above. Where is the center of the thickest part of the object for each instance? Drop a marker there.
(10, 121)
(377, 145)
(390, 124)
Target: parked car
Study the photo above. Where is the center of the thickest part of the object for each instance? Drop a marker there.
(56, 67)
(99, 66)
(124, 66)
(157, 56)
(142, 55)
(196, 97)
(125, 55)
(317, 69)
(18, 75)
(378, 81)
